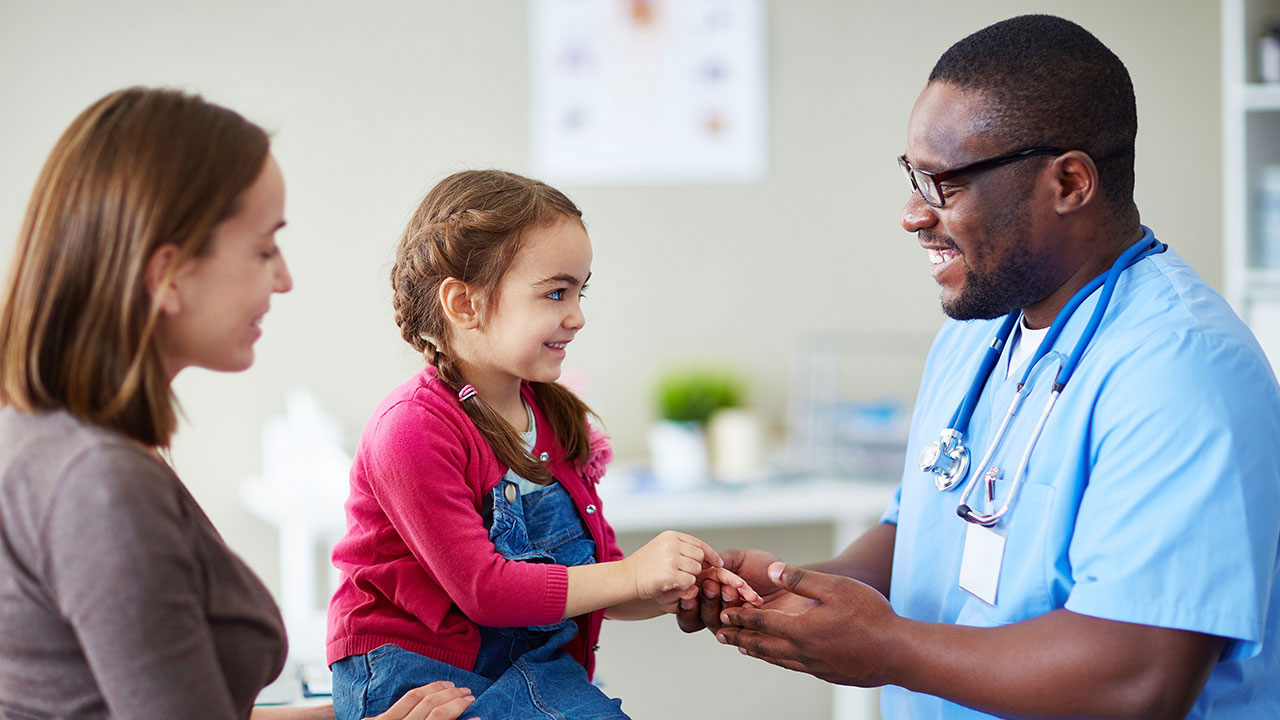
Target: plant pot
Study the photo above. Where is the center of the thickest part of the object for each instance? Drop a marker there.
(678, 453)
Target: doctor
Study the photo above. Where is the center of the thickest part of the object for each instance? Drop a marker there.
(1115, 557)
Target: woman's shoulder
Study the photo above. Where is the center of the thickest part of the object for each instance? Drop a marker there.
(50, 442)
(53, 458)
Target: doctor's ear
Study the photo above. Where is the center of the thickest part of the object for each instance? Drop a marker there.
(460, 304)
(1075, 181)
(159, 274)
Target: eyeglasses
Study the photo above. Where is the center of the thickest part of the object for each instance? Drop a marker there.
(929, 184)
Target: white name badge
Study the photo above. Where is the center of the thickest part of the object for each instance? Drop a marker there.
(980, 564)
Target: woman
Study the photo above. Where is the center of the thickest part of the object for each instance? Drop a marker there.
(148, 247)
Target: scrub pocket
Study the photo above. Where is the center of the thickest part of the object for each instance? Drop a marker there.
(1023, 591)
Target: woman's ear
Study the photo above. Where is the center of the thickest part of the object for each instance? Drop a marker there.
(159, 275)
(459, 304)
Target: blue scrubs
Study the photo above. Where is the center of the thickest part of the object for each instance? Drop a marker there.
(1152, 497)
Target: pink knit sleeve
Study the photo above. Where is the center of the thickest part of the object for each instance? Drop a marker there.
(423, 471)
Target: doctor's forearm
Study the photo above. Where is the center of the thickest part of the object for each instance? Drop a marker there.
(1057, 665)
(869, 559)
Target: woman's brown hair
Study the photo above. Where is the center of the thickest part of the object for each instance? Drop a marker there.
(138, 169)
(470, 227)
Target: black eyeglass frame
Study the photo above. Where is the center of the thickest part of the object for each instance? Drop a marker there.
(937, 178)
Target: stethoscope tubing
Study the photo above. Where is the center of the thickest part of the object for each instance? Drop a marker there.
(964, 413)
(960, 418)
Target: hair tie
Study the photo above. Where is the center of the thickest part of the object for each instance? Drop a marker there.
(466, 393)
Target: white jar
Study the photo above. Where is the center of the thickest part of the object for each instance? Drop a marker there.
(736, 438)
(1268, 242)
(1269, 57)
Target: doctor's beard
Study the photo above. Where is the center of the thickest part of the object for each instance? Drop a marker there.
(1018, 279)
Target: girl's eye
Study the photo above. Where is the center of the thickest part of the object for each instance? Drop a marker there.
(556, 294)
(269, 253)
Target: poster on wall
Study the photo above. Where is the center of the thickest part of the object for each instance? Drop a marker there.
(648, 91)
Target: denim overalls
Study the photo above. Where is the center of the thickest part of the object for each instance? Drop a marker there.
(520, 673)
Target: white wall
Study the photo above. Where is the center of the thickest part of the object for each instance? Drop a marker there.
(371, 103)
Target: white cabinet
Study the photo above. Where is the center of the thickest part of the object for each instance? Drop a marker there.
(1251, 164)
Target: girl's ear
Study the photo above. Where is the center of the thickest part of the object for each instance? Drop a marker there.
(459, 304)
(159, 275)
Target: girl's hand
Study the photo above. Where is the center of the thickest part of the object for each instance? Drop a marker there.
(734, 589)
(672, 561)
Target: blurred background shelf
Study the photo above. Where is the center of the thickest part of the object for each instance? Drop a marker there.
(1251, 155)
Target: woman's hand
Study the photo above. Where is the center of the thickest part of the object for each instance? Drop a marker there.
(440, 700)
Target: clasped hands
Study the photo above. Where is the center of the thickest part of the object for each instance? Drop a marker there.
(829, 626)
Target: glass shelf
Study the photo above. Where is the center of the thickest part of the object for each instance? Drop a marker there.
(1263, 282)
(1262, 96)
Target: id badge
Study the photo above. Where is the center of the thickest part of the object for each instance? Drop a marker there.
(980, 564)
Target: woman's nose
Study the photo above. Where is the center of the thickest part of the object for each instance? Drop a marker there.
(284, 281)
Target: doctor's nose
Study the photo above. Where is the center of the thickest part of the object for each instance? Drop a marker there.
(917, 214)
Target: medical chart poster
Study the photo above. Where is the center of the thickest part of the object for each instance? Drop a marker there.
(648, 91)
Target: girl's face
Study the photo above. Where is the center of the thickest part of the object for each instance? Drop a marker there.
(537, 307)
(218, 300)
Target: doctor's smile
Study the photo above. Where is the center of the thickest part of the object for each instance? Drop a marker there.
(941, 259)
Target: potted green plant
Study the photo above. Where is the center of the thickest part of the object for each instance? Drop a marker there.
(686, 401)
(693, 396)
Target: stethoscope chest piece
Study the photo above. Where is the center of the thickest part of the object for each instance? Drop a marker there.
(946, 458)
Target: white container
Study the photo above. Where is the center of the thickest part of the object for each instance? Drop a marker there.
(1269, 57)
(678, 453)
(1268, 236)
(736, 437)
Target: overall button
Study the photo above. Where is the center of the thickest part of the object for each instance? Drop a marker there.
(543, 457)
(591, 509)
(510, 492)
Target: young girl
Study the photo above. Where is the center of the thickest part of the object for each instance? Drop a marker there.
(476, 550)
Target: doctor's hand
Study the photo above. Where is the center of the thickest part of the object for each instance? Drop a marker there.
(839, 637)
(703, 610)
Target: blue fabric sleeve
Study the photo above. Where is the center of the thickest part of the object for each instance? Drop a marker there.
(891, 512)
(1177, 525)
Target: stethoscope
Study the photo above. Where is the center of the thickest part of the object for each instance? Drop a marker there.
(947, 458)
